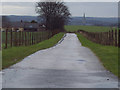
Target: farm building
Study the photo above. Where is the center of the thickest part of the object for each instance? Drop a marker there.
(31, 26)
(23, 26)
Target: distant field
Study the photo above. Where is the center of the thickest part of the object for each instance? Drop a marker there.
(87, 28)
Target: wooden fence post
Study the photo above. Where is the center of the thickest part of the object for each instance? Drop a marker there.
(0, 40)
(35, 37)
(38, 37)
(32, 38)
(11, 39)
(41, 36)
(101, 37)
(15, 38)
(25, 39)
(22, 38)
(116, 38)
(112, 38)
(109, 37)
(19, 38)
(6, 41)
(119, 38)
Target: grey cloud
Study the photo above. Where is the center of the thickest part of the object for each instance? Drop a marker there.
(92, 9)
(20, 4)
(95, 9)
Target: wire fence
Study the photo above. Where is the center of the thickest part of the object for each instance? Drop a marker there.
(23, 38)
(110, 38)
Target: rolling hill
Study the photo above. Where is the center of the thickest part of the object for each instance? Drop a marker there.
(96, 21)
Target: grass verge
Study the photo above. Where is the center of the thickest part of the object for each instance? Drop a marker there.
(13, 55)
(108, 55)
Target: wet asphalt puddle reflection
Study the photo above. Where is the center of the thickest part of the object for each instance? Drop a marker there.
(81, 61)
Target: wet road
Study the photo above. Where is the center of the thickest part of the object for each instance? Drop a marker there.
(0, 80)
(67, 65)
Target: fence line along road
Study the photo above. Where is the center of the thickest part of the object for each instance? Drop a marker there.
(24, 38)
(105, 38)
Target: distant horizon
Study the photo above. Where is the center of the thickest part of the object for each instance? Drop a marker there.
(71, 16)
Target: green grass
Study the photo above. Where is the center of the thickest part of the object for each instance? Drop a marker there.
(13, 55)
(108, 55)
(72, 28)
(0, 59)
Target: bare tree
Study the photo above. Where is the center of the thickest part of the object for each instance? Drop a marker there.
(53, 14)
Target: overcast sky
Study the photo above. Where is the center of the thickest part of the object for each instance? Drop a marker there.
(62, 0)
(92, 9)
